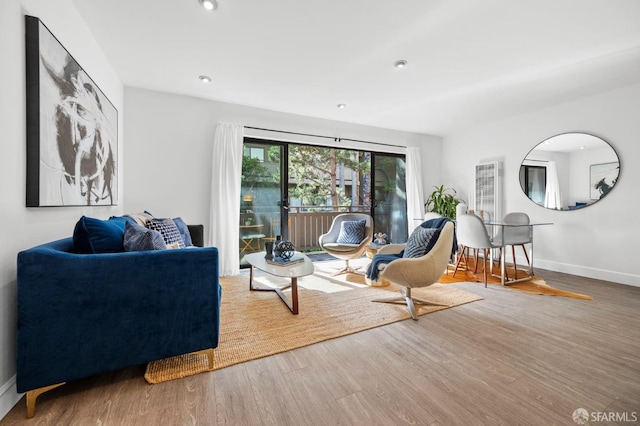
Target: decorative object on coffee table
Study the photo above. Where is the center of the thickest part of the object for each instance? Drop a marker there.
(268, 247)
(284, 249)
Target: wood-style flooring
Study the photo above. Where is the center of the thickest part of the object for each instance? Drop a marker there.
(510, 359)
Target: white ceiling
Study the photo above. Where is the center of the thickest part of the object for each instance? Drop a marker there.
(469, 61)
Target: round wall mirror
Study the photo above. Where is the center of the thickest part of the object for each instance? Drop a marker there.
(569, 171)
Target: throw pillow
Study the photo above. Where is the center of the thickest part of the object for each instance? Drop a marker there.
(140, 218)
(139, 238)
(168, 229)
(351, 232)
(184, 231)
(92, 235)
(420, 242)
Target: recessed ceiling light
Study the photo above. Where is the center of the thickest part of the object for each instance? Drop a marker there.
(209, 4)
(583, 147)
(400, 64)
(342, 106)
(205, 78)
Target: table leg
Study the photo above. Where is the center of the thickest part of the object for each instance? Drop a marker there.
(294, 294)
(531, 257)
(291, 304)
(502, 265)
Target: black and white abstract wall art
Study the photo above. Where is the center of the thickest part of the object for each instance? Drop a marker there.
(72, 128)
(602, 178)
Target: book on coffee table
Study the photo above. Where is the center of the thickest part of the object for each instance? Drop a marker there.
(279, 261)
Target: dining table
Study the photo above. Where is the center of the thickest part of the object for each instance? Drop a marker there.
(504, 225)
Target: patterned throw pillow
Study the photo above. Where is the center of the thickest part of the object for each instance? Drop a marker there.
(351, 232)
(139, 238)
(168, 229)
(184, 231)
(419, 242)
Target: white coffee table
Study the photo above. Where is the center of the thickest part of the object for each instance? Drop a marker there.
(257, 260)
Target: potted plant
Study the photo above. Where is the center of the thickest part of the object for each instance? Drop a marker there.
(443, 201)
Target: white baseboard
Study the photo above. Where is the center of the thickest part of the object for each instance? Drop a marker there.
(9, 397)
(585, 271)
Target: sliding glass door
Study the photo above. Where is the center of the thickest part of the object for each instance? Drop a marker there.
(389, 206)
(295, 191)
(324, 182)
(262, 210)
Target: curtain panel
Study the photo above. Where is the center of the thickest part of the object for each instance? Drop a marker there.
(415, 190)
(226, 171)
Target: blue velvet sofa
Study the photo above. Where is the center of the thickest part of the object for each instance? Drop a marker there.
(84, 314)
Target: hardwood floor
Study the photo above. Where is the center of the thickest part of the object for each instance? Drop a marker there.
(510, 359)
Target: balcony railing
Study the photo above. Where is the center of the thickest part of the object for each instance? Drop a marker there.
(306, 224)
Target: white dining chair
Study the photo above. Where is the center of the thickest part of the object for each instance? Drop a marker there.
(472, 234)
(514, 236)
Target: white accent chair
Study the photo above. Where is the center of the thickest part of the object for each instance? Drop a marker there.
(328, 242)
(515, 236)
(417, 271)
(471, 233)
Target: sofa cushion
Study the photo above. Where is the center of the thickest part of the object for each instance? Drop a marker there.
(184, 231)
(92, 235)
(420, 242)
(139, 238)
(351, 232)
(168, 229)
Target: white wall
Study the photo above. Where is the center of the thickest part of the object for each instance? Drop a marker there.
(170, 140)
(21, 227)
(595, 241)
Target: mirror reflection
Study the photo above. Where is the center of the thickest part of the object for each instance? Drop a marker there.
(569, 171)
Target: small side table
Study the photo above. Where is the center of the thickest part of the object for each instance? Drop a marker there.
(372, 249)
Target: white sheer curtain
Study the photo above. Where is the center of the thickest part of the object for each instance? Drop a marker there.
(226, 171)
(552, 196)
(415, 192)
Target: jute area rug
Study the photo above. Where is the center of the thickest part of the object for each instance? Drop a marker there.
(258, 324)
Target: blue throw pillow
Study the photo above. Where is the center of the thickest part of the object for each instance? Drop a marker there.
(92, 235)
(168, 229)
(351, 232)
(139, 238)
(184, 231)
(420, 242)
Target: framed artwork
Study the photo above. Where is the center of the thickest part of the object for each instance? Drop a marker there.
(72, 128)
(602, 177)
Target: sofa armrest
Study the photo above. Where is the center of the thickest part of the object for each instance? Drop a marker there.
(84, 314)
(197, 235)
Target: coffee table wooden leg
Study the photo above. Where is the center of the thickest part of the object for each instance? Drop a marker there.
(291, 304)
(294, 295)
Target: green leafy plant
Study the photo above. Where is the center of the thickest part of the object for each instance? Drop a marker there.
(443, 201)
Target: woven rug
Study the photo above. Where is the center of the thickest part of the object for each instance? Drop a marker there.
(176, 367)
(534, 286)
(258, 324)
